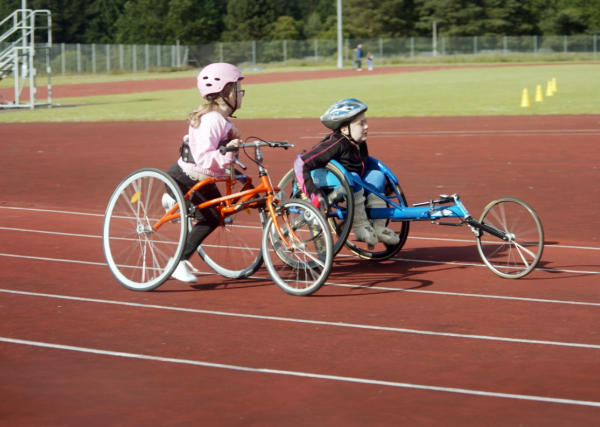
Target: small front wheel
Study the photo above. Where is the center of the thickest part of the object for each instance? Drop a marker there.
(520, 252)
(299, 259)
(139, 255)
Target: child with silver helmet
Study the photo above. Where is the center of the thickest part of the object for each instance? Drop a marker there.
(347, 144)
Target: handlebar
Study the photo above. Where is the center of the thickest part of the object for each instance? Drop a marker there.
(444, 198)
(273, 144)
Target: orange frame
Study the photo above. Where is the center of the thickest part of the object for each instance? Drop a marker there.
(232, 203)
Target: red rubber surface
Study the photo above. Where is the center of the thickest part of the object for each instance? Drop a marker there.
(116, 88)
(53, 173)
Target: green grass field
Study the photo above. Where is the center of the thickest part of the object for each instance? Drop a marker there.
(460, 92)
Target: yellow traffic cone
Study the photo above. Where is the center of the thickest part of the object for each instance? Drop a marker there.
(525, 98)
(549, 88)
(538, 94)
(554, 86)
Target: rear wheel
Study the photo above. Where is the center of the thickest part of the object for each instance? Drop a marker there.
(520, 253)
(339, 195)
(233, 249)
(300, 262)
(141, 258)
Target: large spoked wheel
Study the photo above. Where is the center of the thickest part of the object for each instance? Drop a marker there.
(520, 253)
(138, 255)
(233, 249)
(340, 200)
(300, 262)
(382, 251)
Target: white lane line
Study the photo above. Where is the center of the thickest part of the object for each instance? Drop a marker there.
(466, 264)
(484, 132)
(350, 286)
(462, 135)
(50, 211)
(477, 133)
(306, 321)
(50, 232)
(301, 374)
(243, 226)
(472, 241)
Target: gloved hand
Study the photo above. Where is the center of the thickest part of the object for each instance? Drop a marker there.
(319, 201)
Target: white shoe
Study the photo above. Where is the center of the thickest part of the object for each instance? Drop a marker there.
(181, 273)
(168, 202)
(361, 225)
(384, 234)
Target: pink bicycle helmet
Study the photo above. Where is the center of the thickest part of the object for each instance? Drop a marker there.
(213, 78)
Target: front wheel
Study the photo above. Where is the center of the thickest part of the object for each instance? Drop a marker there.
(520, 253)
(300, 259)
(140, 257)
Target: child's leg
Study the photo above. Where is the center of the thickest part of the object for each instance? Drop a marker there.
(360, 225)
(208, 219)
(377, 179)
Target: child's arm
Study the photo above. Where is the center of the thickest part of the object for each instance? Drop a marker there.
(204, 144)
(318, 157)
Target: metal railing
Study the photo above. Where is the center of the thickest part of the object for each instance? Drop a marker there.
(116, 58)
(18, 56)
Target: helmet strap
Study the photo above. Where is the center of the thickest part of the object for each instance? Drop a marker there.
(229, 105)
(349, 136)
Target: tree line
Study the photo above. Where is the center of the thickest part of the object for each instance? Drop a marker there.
(208, 21)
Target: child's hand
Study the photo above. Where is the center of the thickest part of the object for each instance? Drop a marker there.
(234, 134)
(233, 143)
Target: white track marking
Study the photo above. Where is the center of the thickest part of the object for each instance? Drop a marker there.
(476, 133)
(306, 321)
(51, 211)
(53, 232)
(256, 227)
(301, 374)
(434, 132)
(363, 287)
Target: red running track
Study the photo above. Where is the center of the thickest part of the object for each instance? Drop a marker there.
(117, 88)
(78, 349)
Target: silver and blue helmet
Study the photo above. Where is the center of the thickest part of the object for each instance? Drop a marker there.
(342, 113)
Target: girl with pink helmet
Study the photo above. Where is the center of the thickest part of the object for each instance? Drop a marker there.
(210, 128)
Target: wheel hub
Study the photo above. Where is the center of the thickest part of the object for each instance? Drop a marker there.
(144, 229)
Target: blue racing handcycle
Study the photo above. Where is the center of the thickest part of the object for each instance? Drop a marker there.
(509, 234)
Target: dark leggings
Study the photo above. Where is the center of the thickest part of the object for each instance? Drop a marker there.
(208, 218)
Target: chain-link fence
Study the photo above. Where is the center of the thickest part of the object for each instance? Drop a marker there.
(110, 58)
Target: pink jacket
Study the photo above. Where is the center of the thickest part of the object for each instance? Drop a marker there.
(204, 143)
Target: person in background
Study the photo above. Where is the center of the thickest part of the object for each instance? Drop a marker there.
(370, 61)
(358, 57)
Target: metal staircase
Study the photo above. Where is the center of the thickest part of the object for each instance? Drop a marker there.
(17, 59)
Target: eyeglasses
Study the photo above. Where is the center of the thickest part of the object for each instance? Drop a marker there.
(243, 92)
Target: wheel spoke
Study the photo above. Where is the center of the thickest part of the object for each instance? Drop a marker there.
(138, 255)
(519, 221)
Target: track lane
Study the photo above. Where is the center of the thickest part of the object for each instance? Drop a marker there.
(382, 307)
(124, 390)
(490, 366)
(426, 166)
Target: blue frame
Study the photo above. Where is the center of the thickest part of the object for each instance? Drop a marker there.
(399, 212)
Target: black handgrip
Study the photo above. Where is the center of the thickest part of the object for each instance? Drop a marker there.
(224, 149)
